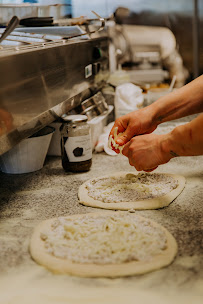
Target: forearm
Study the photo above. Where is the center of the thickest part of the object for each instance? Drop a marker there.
(185, 101)
(185, 140)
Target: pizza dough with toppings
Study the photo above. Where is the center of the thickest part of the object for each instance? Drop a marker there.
(125, 191)
(103, 244)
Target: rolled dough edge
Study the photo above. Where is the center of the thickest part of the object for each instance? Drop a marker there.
(62, 266)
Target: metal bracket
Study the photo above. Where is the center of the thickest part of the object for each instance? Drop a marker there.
(102, 20)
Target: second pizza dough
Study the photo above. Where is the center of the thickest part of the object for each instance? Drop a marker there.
(103, 244)
(125, 191)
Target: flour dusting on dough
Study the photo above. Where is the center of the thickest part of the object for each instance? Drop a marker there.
(131, 187)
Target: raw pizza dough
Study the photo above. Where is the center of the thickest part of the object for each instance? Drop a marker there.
(103, 244)
(112, 191)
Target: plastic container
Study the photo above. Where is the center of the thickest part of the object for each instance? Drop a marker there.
(29, 155)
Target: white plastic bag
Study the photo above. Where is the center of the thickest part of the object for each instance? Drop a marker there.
(102, 144)
(128, 98)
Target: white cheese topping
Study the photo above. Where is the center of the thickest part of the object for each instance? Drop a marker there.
(105, 239)
(112, 141)
(131, 187)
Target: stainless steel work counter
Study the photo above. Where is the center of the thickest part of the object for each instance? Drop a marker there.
(27, 199)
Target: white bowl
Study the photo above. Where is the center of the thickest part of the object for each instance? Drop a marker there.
(29, 155)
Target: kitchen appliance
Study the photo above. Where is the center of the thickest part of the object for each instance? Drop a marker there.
(45, 74)
(148, 54)
(145, 64)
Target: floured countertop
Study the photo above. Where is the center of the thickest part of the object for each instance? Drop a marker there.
(27, 199)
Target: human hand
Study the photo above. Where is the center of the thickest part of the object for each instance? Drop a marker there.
(145, 152)
(134, 123)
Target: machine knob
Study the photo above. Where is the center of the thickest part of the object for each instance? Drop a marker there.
(97, 53)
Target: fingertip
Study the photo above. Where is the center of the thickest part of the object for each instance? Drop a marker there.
(150, 170)
(120, 141)
(123, 139)
(125, 152)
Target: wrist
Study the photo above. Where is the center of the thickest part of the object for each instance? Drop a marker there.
(153, 112)
(151, 115)
(168, 146)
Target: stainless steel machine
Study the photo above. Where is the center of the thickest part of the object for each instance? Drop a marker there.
(45, 74)
(147, 53)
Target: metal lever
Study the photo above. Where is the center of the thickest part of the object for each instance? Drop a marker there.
(10, 27)
(87, 33)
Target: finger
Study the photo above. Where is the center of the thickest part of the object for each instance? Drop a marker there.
(138, 169)
(125, 137)
(121, 127)
(125, 150)
(150, 170)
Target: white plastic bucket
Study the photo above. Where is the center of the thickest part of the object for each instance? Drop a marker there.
(29, 155)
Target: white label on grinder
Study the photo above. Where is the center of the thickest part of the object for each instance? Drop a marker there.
(78, 148)
(88, 71)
